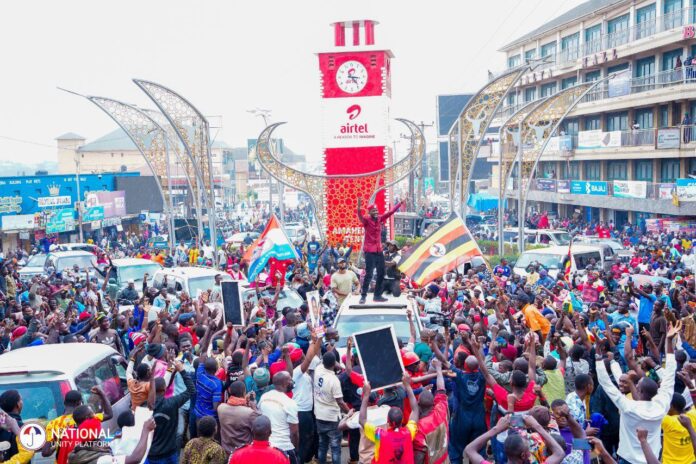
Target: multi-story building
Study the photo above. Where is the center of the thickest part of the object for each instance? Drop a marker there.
(629, 143)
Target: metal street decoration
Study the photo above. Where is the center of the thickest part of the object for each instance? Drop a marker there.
(470, 127)
(316, 185)
(194, 132)
(537, 128)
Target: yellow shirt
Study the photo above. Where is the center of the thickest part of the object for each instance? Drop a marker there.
(535, 321)
(677, 447)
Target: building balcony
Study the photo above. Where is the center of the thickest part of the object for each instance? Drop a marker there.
(642, 196)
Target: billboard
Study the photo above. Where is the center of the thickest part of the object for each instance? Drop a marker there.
(686, 189)
(355, 122)
(668, 137)
(443, 157)
(449, 107)
(19, 222)
(630, 189)
(113, 203)
(593, 139)
(142, 193)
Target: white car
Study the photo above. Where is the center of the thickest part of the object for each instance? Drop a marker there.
(33, 267)
(126, 269)
(238, 238)
(62, 260)
(44, 374)
(354, 317)
(192, 280)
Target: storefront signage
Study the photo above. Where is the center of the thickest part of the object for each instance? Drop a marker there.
(545, 185)
(630, 189)
(18, 222)
(94, 213)
(47, 202)
(61, 220)
(581, 187)
(686, 189)
(10, 205)
(665, 191)
(668, 138)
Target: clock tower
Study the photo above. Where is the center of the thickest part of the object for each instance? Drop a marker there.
(355, 91)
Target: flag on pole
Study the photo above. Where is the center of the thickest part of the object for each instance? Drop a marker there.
(272, 243)
(446, 248)
(567, 266)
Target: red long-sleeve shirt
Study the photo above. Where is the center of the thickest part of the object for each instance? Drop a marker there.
(373, 229)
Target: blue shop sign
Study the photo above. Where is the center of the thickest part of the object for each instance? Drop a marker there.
(95, 213)
(582, 187)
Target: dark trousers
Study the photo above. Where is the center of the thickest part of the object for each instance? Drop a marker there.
(354, 444)
(329, 438)
(292, 456)
(373, 261)
(308, 437)
(392, 286)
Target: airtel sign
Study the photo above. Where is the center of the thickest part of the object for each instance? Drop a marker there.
(349, 124)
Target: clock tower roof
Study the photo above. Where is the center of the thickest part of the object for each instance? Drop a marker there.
(355, 36)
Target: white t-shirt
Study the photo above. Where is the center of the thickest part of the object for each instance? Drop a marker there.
(281, 411)
(327, 388)
(303, 393)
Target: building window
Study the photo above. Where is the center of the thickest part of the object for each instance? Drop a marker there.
(617, 170)
(548, 49)
(692, 167)
(593, 39)
(593, 122)
(617, 121)
(547, 170)
(645, 74)
(593, 76)
(568, 82)
(617, 31)
(593, 170)
(669, 59)
(548, 89)
(644, 170)
(513, 61)
(529, 55)
(570, 46)
(664, 116)
(645, 21)
(570, 170)
(570, 126)
(530, 94)
(512, 99)
(617, 68)
(669, 170)
(644, 118)
(672, 14)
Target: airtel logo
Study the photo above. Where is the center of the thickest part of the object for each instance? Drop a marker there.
(353, 112)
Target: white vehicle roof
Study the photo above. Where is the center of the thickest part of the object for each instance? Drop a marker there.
(132, 261)
(61, 254)
(563, 250)
(194, 271)
(351, 305)
(63, 358)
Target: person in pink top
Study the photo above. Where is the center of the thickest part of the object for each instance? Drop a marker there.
(372, 247)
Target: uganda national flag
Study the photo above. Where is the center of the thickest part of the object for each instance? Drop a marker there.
(448, 247)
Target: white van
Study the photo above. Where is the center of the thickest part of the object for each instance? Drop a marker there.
(553, 258)
(192, 280)
(126, 269)
(44, 374)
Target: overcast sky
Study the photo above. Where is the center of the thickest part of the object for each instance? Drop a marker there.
(230, 56)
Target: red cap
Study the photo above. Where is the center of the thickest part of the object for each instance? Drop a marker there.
(371, 206)
(464, 328)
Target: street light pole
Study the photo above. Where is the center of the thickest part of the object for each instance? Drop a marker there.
(79, 196)
(424, 163)
(266, 115)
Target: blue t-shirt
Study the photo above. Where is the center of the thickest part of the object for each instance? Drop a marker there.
(208, 392)
(645, 308)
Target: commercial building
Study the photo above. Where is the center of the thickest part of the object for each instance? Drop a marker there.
(628, 148)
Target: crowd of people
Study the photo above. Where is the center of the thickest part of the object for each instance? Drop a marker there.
(498, 367)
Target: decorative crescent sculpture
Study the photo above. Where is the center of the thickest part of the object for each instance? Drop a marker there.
(316, 185)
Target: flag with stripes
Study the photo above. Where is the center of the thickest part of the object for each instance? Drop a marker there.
(448, 247)
(568, 263)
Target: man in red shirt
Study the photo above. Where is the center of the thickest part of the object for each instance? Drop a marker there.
(372, 247)
(260, 450)
(430, 444)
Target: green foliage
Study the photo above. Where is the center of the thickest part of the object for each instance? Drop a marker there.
(403, 240)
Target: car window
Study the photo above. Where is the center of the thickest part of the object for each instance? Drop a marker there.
(84, 382)
(42, 400)
(158, 280)
(546, 260)
(108, 379)
(582, 260)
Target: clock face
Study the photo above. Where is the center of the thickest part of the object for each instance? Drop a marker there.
(351, 76)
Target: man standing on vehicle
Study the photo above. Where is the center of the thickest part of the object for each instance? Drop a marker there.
(372, 247)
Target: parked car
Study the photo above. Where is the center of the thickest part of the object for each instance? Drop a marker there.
(553, 258)
(43, 374)
(288, 296)
(238, 238)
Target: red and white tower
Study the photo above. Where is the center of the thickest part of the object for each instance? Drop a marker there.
(356, 92)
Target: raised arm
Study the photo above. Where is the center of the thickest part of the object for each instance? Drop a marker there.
(406, 380)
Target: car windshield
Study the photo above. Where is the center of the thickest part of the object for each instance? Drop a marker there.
(287, 298)
(36, 261)
(546, 260)
(350, 324)
(136, 272)
(65, 262)
(562, 238)
(42, 400)
(202, 284)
